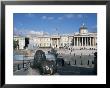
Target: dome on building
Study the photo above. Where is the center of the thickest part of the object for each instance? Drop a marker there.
(83, 29)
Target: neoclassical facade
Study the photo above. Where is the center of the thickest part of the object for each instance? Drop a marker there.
(83, 39)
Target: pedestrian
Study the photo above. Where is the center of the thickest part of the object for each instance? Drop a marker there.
(92, 62)
(62, 62)
(75, 62)
(70, 53)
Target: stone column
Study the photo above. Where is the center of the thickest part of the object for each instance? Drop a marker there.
(57, 42)
(51, 41)
(85, 41)
(82, 41)
(74, 41)
(90, 41)
(94, 41)
(77, 41)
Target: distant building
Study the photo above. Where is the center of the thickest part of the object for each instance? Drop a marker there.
(21, 41)
(83, 39)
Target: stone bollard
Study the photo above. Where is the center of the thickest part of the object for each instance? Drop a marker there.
(18, 67)
(81, 62)
(75, 62)
(69, 63)
(74, 54)
(88, 62)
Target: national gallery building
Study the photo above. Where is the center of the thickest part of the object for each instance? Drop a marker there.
(83, 39)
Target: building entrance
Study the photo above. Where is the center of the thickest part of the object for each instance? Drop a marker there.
(55, 42)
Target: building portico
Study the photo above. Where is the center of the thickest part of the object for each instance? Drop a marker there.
(55, 41)
(84, 41)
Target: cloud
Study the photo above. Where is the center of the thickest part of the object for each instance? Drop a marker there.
(24, 32)
(66, 16)
(44, 17)
(47, 17)
(38, 32)
(50, 18)
(69, 15)
(80, 16)
(20, 31)
(30, 15)
(20, 24)
(60, 18)
(15, 31)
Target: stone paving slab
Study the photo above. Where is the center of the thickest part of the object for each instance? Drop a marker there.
(28, 71)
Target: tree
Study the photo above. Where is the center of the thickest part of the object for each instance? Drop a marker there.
(15, 44)
(38, 58)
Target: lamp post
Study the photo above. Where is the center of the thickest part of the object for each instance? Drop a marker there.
(23, 61)
(95, 62)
